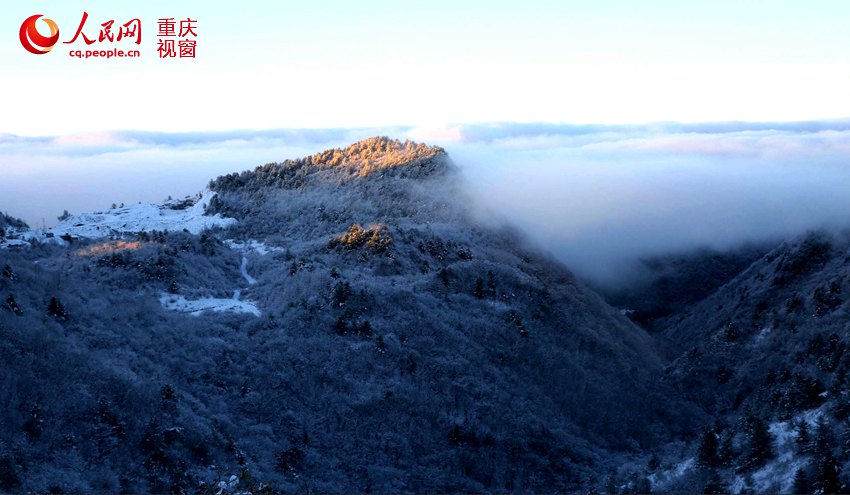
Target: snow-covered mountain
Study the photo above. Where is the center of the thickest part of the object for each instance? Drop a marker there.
(345, 322)
(336, 323)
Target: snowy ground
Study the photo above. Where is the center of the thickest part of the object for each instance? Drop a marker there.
(777, 476)
(15, 238)
(252, 246)
(173, 215)
(197, 306)
(662, 478)
(13, 243)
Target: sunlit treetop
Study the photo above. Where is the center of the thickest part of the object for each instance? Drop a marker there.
(375, 153)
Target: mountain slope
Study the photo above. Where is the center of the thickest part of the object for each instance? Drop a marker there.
(769, 348)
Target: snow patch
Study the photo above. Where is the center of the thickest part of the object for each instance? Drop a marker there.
(197, 306)
(661, 478)
(252, 246)
(243, 268)
(683, 467)
(13, 243)
(17, 239)
(228, 486)
(778, 474)
(172, 215)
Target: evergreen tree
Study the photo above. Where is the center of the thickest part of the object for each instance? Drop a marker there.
(826, 474)
(804, 439)
(654, 463)
(638, 484)
(845, 442)
(707, 449)
(610, 485)
(491, 283)
(802, 484)
(443, 275)
(55, 309)
(825, 478)
(12, 305)
(759, 444)
(824, 441)
(715, 484)
(479, 288)
(643, 486)
(725, 455)
(34, 426)
(9, 479)
(168, 398)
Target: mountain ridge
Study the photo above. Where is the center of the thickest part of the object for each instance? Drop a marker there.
(378, 155)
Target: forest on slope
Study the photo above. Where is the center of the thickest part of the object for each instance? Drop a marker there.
(348, 321)
(356, 328)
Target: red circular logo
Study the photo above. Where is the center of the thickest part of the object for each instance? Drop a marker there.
(36, 42)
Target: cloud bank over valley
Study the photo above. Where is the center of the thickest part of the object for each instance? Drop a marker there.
(597, 197)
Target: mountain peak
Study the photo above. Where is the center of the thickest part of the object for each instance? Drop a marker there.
(379, 154)
(376, 153)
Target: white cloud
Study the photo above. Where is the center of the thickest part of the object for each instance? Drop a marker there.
(597, 196)
(442, 133)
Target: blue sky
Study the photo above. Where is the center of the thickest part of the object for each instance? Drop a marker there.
(271, 64)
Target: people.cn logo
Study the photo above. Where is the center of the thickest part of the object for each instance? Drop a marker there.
(36, 42)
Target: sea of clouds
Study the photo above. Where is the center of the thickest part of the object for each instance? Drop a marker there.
(598, 197)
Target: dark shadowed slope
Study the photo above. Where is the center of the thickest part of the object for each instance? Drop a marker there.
(766, 356)
(670, 284)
